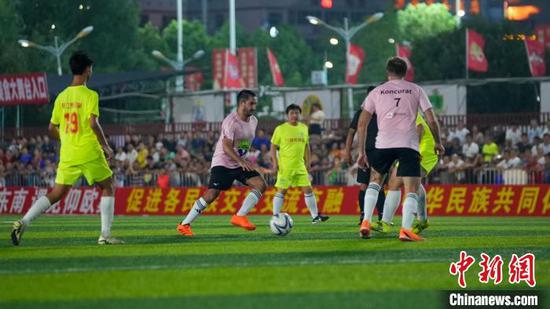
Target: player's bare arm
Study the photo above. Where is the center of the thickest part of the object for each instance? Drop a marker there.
(98, 130)
(228, 149)
(431, 119)
(364, 121)
(54, 131)
(273, 153)
(349, 145)
(307, 156)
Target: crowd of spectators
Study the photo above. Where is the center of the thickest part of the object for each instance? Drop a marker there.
(472, 156)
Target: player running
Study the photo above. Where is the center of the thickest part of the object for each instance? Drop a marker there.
(229, 164)
(363, 176)
(84, 150)
(428, 162)
(292, 140)
(396, 103)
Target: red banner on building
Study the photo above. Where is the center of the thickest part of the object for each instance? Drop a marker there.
(405, 52)
(354, 63)
(248, 65)
(535, 57)
(442, 200)
(30, 88)
(475, 56)
(218, 65)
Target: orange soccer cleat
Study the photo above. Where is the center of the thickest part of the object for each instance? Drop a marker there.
(243, 222)
(408, 235)
(364, 230)
(185, 230)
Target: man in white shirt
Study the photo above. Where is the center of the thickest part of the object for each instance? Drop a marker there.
(470, 148)
(513, 134)
(459, 132)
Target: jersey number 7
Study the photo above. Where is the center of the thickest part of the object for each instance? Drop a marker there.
(71, 120)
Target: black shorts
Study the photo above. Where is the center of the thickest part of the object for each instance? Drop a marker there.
(409, 161)
(222, 178)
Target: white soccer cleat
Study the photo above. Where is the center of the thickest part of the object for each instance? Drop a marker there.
(17, 232)
(109, 241)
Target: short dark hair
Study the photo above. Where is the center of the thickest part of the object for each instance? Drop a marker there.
(292, 107)
(396, 66)
(79, 62)
(244, 95)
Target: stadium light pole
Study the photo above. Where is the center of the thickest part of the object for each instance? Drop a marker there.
(178, 65)
(346, 33)
(57, 50)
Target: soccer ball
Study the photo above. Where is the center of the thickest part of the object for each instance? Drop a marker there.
(281, 224)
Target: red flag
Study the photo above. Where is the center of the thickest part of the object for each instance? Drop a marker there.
(248, 66)
(355, 60)
(535, 57)
(404, 51)
(543, 34)
(276, 73)
(232, 78)
(475, 57)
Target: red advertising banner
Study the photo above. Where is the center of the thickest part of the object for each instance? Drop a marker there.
(30, 88)
(79, 201)
(229, 71)
(218, 65)
(248, 64)
(442, 200)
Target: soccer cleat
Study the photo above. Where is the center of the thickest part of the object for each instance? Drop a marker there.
(243, 222)
(364, 230)
(185, 230)
(421, 225)
(109, 241)
(408, 235)
(381, 227)
(17, 232)
(319, 218)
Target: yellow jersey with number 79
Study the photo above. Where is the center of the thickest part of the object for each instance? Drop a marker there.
(72, 111)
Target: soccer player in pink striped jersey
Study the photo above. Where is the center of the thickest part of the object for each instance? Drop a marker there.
(229, 164)
(396, 103)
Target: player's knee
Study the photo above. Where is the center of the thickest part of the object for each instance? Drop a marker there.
(260, 187)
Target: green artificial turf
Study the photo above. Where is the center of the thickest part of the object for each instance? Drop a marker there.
(316, 266)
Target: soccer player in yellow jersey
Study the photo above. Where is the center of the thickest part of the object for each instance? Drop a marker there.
(84, 150)
(428, 163)
(292, 140)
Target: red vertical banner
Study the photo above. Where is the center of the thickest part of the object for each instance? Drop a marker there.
(193, 81)
(535, 57)
(354, 62)
(543, 34)
(276, 73)
(231, 75)
(475, 56)
(218, 65)
(405, 52)
(248, 64)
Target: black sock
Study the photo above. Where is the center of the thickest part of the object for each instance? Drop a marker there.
(380, 203)
(362, 201)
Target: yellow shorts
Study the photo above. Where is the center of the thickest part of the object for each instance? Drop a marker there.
(286, 180)
(94, 171)
(428, 165)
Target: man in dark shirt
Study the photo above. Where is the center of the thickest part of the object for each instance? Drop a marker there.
(363, 176)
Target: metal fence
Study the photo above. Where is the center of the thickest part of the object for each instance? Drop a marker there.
(335, 178)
